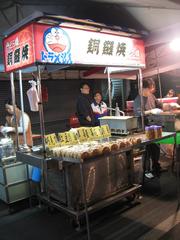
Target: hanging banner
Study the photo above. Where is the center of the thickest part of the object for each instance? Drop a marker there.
(64, 45)
(19, 49)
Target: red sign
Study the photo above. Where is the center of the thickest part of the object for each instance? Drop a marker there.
(67, 45)
(19, 49)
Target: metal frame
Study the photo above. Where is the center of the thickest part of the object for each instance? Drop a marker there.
(140, 90)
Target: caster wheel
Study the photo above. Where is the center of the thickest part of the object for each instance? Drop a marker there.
(131, 198)
(51, 210)
(77, 224)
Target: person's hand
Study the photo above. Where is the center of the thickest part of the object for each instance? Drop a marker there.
(156, 111)
(166, 107)
(147, 112)
(1, 127)
(88, 118)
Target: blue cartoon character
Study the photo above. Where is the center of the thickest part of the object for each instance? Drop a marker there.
(56, 40)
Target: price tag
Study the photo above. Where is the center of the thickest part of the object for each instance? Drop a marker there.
(64, 138)
(89, 133)
(51, 140)
(73, 137)
(81, 134)
(105, 131)
(97, 132)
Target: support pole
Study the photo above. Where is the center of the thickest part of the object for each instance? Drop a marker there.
(14, 109)
(41, 113)
(22, 108)
(109, 91)
(140, 88)
(42, 127)
(158, 74)
(84, 199)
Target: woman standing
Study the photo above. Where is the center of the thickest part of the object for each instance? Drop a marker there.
(10, 124)
(99, 107)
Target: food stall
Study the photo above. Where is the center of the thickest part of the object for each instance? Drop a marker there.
(85, 169)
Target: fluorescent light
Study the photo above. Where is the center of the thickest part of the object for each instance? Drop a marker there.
(175, 44)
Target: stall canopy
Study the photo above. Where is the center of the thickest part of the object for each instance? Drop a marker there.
(51, 39)
(47, 39)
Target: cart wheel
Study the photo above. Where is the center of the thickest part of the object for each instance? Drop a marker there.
(50, 210)
(77, 224)
(131, 197)
(11, 209)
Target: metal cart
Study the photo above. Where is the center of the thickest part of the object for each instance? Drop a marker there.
(80, 187)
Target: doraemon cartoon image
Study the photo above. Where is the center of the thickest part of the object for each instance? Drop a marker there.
(56, 40)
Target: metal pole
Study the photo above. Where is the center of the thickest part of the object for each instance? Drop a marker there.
(109, 91)
(14, 108)
(41, 116)
(84, 198)
(140, 87)
(159, 79)
(41, 113)
(22, 107)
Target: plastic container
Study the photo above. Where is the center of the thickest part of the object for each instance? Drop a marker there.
(36, 174)
(150, 132)
(159, 130)
(156, 132)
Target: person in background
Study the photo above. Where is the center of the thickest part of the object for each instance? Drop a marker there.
(99, 107)
(9, 127)
(150, 103)
(149, 100)
(83, 106)
(170, 94)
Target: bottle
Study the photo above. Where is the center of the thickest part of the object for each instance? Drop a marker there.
(117, 111)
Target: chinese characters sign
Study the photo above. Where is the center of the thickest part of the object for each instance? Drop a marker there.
(19, 49)
(60, 45)
(74, 46)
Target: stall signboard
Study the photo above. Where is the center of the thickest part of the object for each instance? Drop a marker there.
(19, 49)
(40, 43)
(62, 45)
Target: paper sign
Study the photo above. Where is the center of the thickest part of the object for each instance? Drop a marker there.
(89, 133)
(73, 137)
(51, 140)
(64, 138)
(105, 131)
(97, 132)
(81, 134)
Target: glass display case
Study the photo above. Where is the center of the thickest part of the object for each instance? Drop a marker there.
(13, 175)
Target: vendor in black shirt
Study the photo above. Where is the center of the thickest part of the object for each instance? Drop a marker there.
(83, 107)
